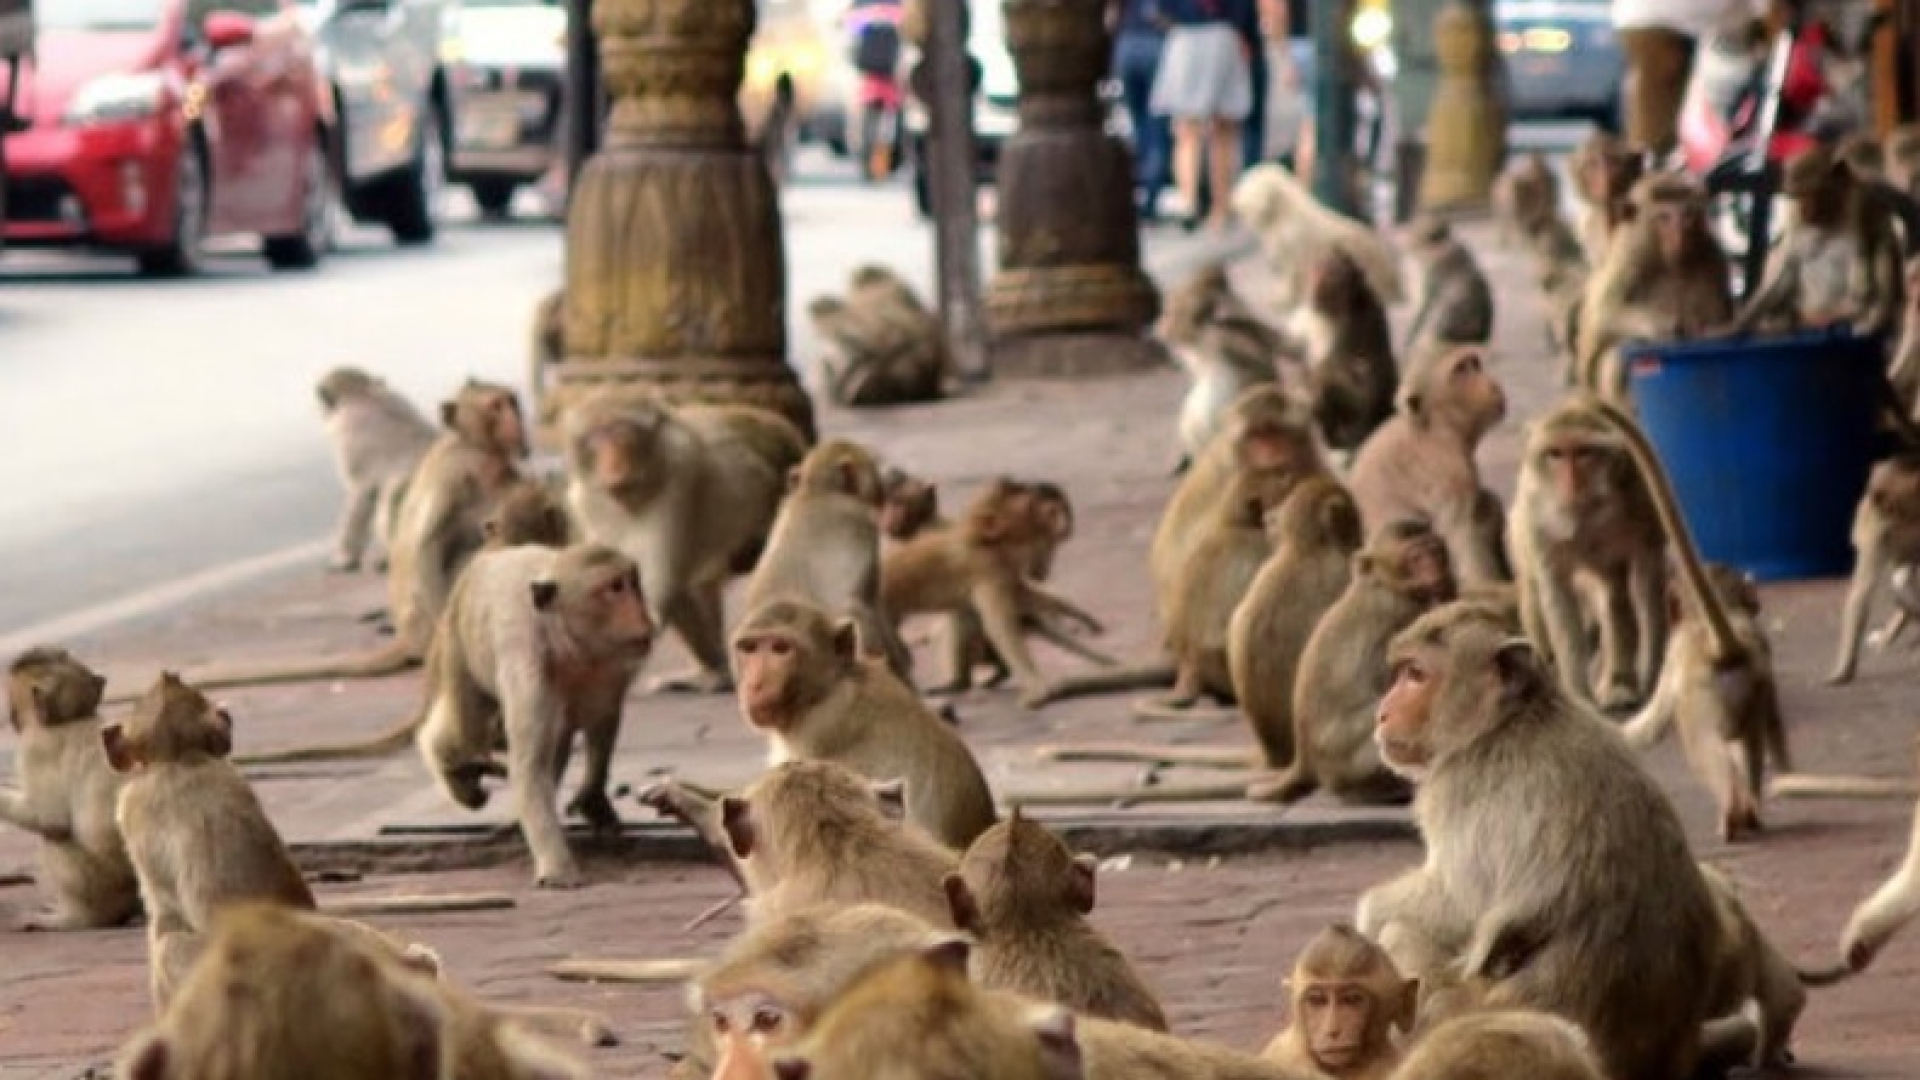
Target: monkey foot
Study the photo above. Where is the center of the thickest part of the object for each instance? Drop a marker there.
(1839, 677)
(697, 681)
(1283, 789)
(560, 877)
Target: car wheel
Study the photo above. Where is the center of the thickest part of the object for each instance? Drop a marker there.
(495, 197)
(182, 255)
(413, 204)
(319, 217)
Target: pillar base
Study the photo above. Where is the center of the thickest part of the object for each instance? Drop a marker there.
(766, 384)
(1073, 353)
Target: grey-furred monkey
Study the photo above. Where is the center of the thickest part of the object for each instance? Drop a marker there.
(378, 438)
(1456, 303)
(1222, 345)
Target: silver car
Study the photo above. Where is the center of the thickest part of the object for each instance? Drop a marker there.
(508, 61)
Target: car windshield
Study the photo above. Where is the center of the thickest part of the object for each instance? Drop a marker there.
(97, 14)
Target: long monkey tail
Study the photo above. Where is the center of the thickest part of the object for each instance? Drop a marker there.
(391, 659)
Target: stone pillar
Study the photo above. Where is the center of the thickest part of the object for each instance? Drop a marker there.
(1467, 125)
(1069, 296)
(676, 269)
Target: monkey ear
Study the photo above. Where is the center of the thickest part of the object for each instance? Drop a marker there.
(961, 905)
(846, 639)
(448, 411)
(792, 1067)
(544, 593)
(219, 740)
(326, 399)
(951, 954)
(120, 756)
(1080, 889)
(892, 795)
(793, 478)
(1053, 1027)
(737, 822)
(1519, 668)
(145, 1058)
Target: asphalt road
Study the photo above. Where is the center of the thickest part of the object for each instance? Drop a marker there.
(162, 437)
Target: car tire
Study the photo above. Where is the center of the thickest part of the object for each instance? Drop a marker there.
(319, 215)
(183, 253)
(495, 197)
(412, 199)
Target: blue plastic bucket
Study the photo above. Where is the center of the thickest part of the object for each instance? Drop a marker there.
(1768, 443)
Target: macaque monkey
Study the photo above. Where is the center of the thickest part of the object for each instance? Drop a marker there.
(1526, 196)
(1420, 465)
(1722, 696)
(1456, 303)
(1585, 526)
(1886, 535)
(547, 347)
(1605, 169)
(980, 566)
(378, 438)
(67, 792)
(824, 547)
(1314, 535)
(1505, 1043)
(1839, 261)
(687, 492)
(1665, 278)
(805, 684)
(1570, 887)
(1343, 332)
(528, 512)
(1527, 201)
(284, 995)
(1224, 348)
(882, 346)
(1024, 899)
(908, 505)
(1346, 998)
(1296, 231)
(1403, 571)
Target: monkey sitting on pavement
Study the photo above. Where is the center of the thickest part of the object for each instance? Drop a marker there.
(1224, 348)
(378, 439)
(1346, 998)
(882, 345)
(1296, 232)
(1456, 303)
(1343, 333)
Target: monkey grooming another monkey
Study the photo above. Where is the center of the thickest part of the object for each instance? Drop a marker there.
(883, 345)
(1224, 348)
(1346, 998)
(1886, 534)
(1024, 898)
(1567, 885)
(1403, 571)
(1344, 335)
(1506, 1043)
(67, 792)
(804, 683)
(1420, 465)
(378, 439)
(824, 547)
(1456, 303)
(690, 494)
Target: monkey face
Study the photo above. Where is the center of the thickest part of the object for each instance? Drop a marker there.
(766, 668)
(1426, 570)
(749, 1021)
(596, 594)
(1674, 225)
(1578, 472)
(1469, 382)
(1338, 1016)
(506, 428)
(1400, 723)
(910, 505)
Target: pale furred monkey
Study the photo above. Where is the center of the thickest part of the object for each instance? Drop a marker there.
(1222, 345)
(378, 438)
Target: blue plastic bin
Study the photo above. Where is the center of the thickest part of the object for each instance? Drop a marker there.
(1768, 443)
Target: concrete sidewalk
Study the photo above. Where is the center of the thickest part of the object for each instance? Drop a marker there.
(1213, 936)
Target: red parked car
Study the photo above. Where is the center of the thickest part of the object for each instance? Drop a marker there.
(157, 124)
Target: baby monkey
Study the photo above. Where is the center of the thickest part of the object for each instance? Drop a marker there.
(1347, 997)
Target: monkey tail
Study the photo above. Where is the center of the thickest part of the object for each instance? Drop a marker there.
(1205, 757)
(1289, 786)
(1831, 975)
(388, 744)
(1727, 647)
(1163, 710)
(1810, 786)
(1157, 675)
(391, 659)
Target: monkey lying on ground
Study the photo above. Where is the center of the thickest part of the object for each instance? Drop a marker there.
(804, 683)
(644, 478)
(67, 792)
(1456, 303)
(882, 345)
(1024, 897)
(1886, 534)
(1296, 231)
(1568, 885)
(1224, 348)
(1345, 999)
(1420, 465)
(1349, 351)
(1504, 1043)
(378, 438)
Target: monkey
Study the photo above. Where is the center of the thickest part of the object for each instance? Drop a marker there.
(1024, 897)
(1218, 574)
(1456, 303)
(1403, 571)
(824, 546)
(1224, 348)
(1585, 531)
(1570, 887)
(378, 439)
(1664, 278)
(1346, 998)
(547, 347)
(1526, 195)
(1527, 201)
(882, 344)
(804, 683)
(980, 564)
(1728, 713)
(1839, 261)
(1419, 466)
(643, 477)
(1296, 231)
(1314, 535)
(280, 994)
(1885, 534)
(1605, 169)
(527, 512)
(67, 792)
(908, 505)
(1342, 330)
(1503, 1043)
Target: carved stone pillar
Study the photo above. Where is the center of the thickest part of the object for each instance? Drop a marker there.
(676, 269)
(1069, 296)
(1467, 124)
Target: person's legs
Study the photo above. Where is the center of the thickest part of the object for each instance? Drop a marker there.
(1253, 149)
(1223, 168)
(1189, 145)
(1136, 60)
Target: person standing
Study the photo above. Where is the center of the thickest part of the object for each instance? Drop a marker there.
(1253, 133)
(1659, 39)
(1139, 37)
(1205, 88)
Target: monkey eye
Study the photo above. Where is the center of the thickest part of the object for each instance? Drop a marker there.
(1353, 999)
(780, 647)
(1316, 998)
(767, 1020)
(617, 587)
(718, 1018)
(1409, 671)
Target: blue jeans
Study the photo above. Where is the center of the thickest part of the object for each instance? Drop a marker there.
(1253, 133)
(1136, 60)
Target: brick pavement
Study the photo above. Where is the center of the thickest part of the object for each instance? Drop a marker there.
(1213, 938)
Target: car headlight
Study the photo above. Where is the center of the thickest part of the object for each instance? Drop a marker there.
(111, 98)
(1371, 28)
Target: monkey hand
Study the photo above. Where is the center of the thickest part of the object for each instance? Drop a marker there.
(665, 798)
